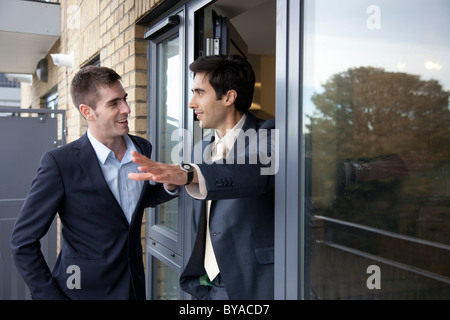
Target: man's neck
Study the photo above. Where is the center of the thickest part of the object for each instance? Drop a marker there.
(229, 124)
(115, 144)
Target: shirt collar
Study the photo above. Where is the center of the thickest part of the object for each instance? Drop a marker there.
(103, 152)
(230, 137)
(130, 147)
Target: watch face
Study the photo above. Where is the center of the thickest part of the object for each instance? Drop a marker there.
(186, 166)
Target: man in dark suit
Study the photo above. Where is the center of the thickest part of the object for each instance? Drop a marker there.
(233, 254)
(101, 210)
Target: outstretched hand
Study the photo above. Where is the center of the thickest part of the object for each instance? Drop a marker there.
(169, 174)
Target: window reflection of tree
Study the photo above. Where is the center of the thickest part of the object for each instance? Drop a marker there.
(391, 130)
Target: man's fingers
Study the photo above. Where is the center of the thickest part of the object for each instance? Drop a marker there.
(140, 159)
(152, 170)
(135, 153)
(140, 176)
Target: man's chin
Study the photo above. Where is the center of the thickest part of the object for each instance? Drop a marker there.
(204, 125)
(124, 131)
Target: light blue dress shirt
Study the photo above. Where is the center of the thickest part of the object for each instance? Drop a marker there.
(125, 190)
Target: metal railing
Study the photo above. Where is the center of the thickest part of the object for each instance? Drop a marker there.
(338, 224)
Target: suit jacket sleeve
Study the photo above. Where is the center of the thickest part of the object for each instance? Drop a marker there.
(155, 195)
(33, 222)
(235, 181)
(256, 176)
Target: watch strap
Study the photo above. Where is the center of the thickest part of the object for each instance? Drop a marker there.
(190, 172)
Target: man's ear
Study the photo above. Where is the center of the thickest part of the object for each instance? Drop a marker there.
(230, 97)
(86, 111)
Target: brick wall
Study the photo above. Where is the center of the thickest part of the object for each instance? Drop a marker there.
(90, 28)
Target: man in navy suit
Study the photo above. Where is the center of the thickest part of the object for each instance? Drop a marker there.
(233, 184)
(101, 210)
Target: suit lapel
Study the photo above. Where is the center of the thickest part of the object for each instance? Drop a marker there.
(87, 159)
(142, 150)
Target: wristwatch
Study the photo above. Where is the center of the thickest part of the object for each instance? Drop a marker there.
(190, 171)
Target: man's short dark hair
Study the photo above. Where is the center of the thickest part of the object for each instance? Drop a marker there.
(85, 84)
(228, 73)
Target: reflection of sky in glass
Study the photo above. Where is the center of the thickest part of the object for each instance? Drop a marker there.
(414, 37)
(173, 90)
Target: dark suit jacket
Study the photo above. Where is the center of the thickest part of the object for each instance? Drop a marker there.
(97, 236)
(241, 224)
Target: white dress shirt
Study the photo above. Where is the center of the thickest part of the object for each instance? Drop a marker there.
(125, 190)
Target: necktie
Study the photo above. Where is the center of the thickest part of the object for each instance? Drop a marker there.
(210, 263)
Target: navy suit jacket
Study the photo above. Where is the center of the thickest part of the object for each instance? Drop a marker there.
(241, 222)
(97, 236)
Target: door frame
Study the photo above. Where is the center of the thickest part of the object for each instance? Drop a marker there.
(289, 185)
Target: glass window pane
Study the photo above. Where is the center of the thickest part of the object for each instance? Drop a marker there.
(165, 282)
(376, 121)
(169, 117)
(51, 102)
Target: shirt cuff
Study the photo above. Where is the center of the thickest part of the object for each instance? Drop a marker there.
(198, 190)
(172, 193)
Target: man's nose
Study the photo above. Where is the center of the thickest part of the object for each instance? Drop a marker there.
(192, 104)
(124, 108)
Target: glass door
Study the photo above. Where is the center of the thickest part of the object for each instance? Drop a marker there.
(169, 115)
(166, 94)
